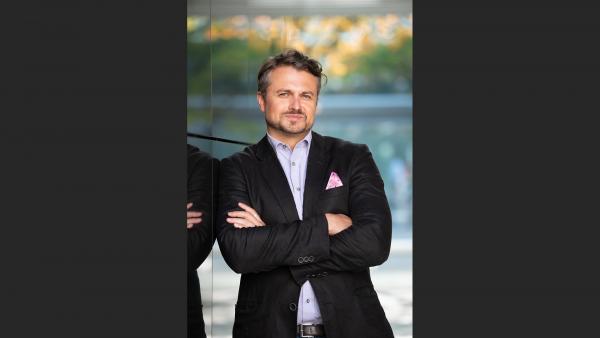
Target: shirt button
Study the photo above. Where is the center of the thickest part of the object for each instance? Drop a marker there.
(308, 300)
(298, 188)
(293, 163)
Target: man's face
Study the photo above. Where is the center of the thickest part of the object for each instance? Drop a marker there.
(289, 103)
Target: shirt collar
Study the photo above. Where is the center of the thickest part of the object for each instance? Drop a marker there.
(275, 142)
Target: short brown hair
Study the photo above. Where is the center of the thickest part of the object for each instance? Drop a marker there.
(289, 57)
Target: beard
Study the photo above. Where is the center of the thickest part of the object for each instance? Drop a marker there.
(290, 127)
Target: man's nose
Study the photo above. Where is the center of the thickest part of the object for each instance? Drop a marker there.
(295, 103)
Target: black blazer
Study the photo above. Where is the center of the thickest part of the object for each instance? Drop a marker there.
(202, 172)
(275, 260)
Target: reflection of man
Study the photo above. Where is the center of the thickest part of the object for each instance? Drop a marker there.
(201, 169)
(302, 217)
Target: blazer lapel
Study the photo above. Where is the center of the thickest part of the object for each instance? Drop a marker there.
(273, 174)
(316, 174)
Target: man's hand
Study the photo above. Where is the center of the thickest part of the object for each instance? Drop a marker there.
(248, 218)
(193, 217)
(337, 223)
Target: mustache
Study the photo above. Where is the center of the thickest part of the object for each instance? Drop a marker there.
(296, 111)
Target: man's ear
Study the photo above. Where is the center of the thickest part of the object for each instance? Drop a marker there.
(261, 101)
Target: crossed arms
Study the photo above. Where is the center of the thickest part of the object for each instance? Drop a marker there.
(332, 242)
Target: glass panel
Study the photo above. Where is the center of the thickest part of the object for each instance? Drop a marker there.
(201, 192)
(199, 121)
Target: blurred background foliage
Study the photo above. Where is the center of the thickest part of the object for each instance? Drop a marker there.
(356, 52)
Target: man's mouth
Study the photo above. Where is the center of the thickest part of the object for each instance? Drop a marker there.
(294, 116)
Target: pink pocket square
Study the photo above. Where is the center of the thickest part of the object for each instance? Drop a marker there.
(334, 181)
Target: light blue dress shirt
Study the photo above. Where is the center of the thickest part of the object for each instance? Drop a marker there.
(294, 166)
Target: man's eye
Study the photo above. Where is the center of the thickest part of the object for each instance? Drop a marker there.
(283, 94)
(308, 97)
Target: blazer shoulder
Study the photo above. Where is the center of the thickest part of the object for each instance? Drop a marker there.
(197, 158)
(194, 151)
(243, 156)
(338, 146)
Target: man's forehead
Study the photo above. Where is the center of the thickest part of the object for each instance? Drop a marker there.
(291, 78)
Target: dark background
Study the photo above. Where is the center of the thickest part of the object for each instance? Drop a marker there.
(93, 169)
(504, 104)
(90, 249)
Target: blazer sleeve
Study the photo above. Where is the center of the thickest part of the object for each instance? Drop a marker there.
(264, 248)
(202, 193)
(367, 242)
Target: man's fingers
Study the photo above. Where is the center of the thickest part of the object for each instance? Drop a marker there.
(244, 206)
(194, 214)
(240, 222)
(252, 212)
(245, 215)
(242, 214)
(193, 221)
(248, 218)
(337, 223)
(189, 205)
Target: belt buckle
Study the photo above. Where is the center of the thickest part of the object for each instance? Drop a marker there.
(302, 332)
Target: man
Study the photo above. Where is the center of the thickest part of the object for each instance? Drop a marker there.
(202, 169)
(302, 217)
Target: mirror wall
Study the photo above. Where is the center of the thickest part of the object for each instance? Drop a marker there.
(365, 48)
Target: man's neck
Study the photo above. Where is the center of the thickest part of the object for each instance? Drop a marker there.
(289, 139)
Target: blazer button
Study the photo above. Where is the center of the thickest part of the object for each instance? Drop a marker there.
(311, 258)
(300, 259)
(324, 273)
(293, 307)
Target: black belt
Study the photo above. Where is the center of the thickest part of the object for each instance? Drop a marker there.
(310, 330)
